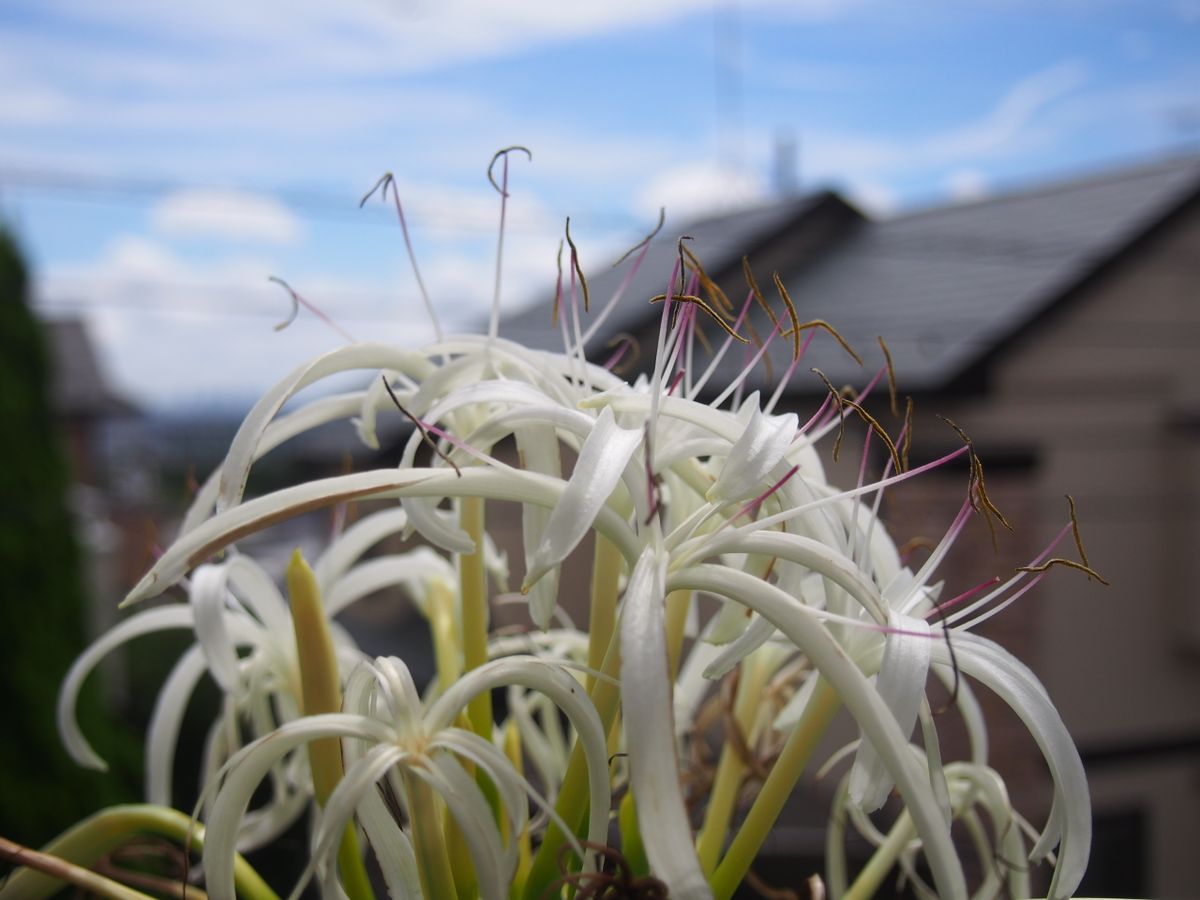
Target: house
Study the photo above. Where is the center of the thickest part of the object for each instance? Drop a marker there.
(1059, 326)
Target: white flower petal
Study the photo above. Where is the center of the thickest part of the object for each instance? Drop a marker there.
(549, 679)
(162, 734)
(471, 813)
(803, 627)
(242, 451)
(1070, 823)
(246, 768)
(757, 633)
(145, 622)
(601, 463)
(393, 849)
(356, 540)
(207, 595)
(901, 686)
(649, 726)
(754, 457)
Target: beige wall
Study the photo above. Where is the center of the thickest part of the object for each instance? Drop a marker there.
(1097, 391)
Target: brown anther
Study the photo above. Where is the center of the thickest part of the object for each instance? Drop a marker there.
(575, 264)
(504, 151)
(825, 326)
(791, 311)
(874, 425)
(839, 400)
(557, 288)
(976, 487)
(891, 375)
(705, 308)
(1069, 563)
(906, 444)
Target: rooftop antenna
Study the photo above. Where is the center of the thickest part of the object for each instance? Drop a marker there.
(786, 175)
(727, 84)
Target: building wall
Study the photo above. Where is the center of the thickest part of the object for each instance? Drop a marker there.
(1105, 394)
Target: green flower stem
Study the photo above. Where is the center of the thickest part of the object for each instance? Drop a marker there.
(512, 749)
(86, 842)
(731, 769)
(92, 882)
(447, 649)
(602, 619)
(473, 580)
(472, 577)
(437, 878)
(572, 804)
(882, 860)
(321, 692)
(776, 789)
(632, 847)
(678, 603)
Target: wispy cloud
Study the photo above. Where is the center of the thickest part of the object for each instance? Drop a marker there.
(228, 214)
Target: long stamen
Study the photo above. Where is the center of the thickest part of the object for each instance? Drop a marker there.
(641, 248)
(494, 324)
(386, 180)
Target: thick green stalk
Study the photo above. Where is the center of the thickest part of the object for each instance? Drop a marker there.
(86, 842)
(678, 603)
(776, 789)
(437, 878)
(882, 860)
(602, 616)
(731, 769)
(321, 692)
(93, 883)
(572, 803)
(473, 583)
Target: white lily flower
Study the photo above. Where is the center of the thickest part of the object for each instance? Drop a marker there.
(409, 741)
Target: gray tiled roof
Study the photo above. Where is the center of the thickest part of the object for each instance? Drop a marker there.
(80, 388)
(718, 241)
(945, 285)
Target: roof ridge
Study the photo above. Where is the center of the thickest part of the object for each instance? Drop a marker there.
(1049, 185)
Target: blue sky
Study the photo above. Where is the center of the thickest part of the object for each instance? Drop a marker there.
(161, 160)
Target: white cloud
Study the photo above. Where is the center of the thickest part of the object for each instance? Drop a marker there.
(691, 189)
(873, 197)
(229, 214)
(966, 185)
(1014, 124)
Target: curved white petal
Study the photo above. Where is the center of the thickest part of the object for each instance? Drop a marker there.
(160, 619)
(602, 461)
(356, 540)
(1070, 822)
(567, 694)
(254, 515)
(207, 595)
(236, 468)
(162, 734)
(650, 735)
(246, 768)
(803, 627)
(754, 456)
(901, 686)
(471, 813)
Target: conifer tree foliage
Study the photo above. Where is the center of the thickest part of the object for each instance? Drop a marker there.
(42, 610)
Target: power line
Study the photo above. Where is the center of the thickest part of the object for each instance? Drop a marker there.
(330, 205)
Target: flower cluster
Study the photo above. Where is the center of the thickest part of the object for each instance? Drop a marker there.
(686, 495)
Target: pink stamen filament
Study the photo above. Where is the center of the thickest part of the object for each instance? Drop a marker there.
(846, 495)
(754, 505)
(736, 385)
(720, 354)
(791, 369)
(600, 319)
